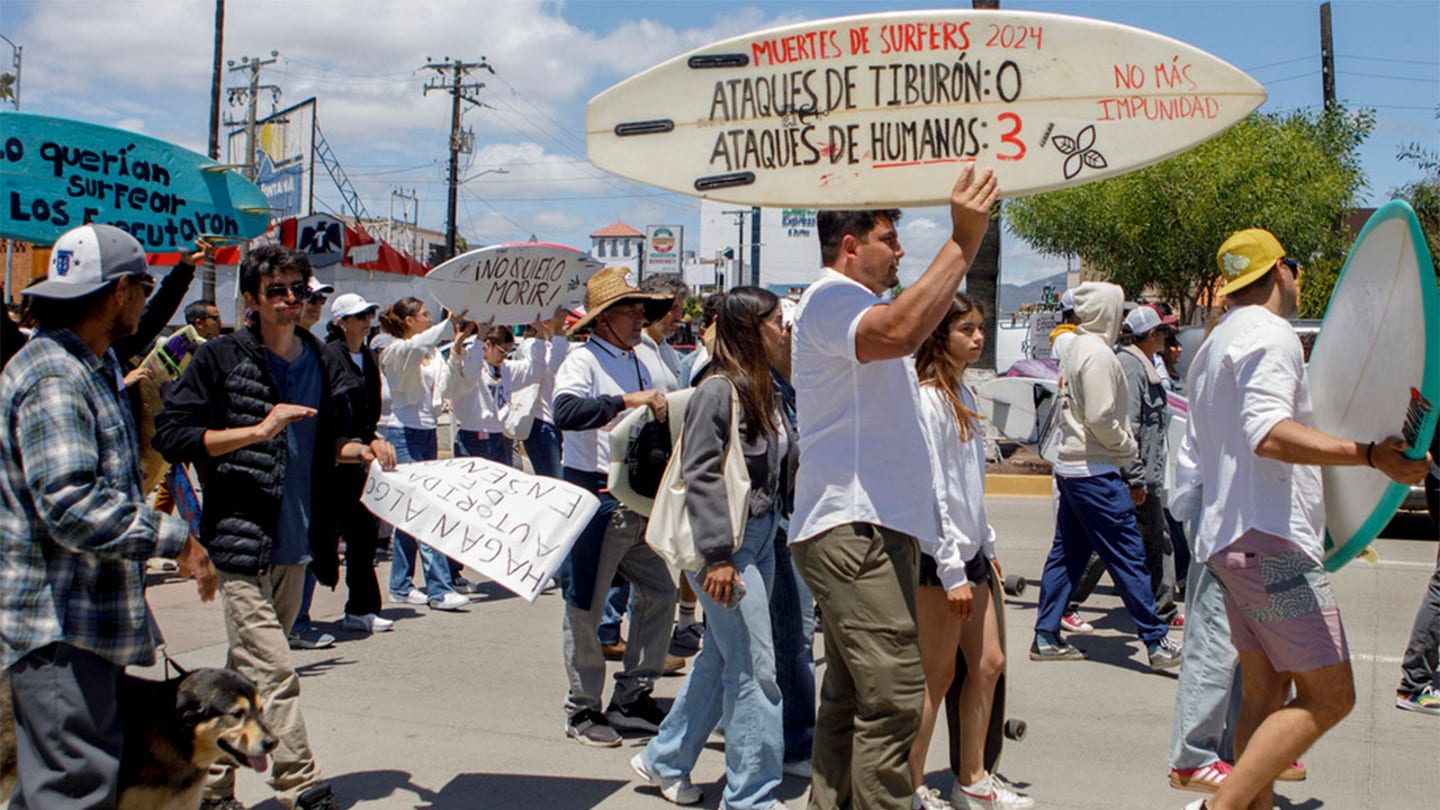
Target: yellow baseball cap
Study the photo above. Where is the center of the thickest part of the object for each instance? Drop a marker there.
(1246, 256)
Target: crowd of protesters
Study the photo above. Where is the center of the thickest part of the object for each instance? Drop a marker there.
(837, 410)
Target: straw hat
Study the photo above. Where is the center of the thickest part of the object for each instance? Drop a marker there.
(612, 286)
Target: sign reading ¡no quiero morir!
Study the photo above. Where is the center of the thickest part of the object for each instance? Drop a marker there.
(56, 174)
(512, 527)
(514, 284)
(880, 109)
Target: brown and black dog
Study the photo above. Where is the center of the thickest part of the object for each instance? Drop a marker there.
(174, 731)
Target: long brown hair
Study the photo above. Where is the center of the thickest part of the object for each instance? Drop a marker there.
(937, 367)
(740, 355)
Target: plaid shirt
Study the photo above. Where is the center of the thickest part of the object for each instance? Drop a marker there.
(75, 531)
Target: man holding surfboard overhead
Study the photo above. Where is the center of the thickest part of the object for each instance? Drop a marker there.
(1261, 522)
(857, 520)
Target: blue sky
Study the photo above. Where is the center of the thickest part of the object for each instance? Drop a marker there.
(145, 65)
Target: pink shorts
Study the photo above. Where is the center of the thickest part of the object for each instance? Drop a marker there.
(1279, 601)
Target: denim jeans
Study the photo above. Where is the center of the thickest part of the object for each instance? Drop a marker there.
(307, 595)
(1422, 654)
(1096, 514)
(492, 446)
(622, 550)
(616, 602)
(413, 444)
(792, 627)
(732, 680)
(543, 448)
(1207, 699)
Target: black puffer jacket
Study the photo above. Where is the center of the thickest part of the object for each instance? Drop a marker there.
(228, 385)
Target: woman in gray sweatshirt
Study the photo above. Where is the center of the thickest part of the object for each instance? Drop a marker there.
(733, 678)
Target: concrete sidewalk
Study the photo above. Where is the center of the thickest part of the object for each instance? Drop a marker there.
(463, 710)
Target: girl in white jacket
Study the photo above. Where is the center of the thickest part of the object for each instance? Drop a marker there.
(952, 605)
(479, 381)
(411, 368)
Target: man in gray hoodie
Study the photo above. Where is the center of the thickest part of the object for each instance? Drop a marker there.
(1097, 509)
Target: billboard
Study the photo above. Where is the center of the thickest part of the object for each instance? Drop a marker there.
(663, 246)
(284, 158)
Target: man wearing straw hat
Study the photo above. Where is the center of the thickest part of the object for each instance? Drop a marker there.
(599, 381)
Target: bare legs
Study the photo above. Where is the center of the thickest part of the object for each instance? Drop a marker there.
(941, 634)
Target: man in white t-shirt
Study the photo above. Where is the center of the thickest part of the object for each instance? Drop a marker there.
(1262, 518)
(864, 464)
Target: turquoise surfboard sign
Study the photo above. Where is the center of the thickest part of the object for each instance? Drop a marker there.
(57, 174)
(1375, 371)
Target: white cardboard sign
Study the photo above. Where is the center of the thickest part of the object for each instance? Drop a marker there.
(514, 284)
(512, 527)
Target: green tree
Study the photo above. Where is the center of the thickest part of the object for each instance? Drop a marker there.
(1424, 194)
(1294, 174)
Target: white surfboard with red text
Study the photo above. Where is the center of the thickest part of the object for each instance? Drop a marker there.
(513, 284)
(880, 110)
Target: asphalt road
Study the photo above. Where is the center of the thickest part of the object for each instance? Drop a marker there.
(463, 710)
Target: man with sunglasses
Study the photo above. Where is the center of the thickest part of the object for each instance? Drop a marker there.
(1262, 517)
(253, 412)
(75, 530)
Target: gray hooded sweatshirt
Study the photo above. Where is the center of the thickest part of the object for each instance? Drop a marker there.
(1094, 425)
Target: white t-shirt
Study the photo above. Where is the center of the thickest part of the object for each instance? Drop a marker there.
(862, 455)
(1246, 378)
(596, 368)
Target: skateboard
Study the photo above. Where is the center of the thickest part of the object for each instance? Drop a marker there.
(1001, 728)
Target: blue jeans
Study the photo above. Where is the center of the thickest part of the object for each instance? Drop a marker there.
(1207, 699)
(732, 680)
(616, 602)
(543, 447)
(307, 595)
(792, 627)
(492, 446)
(413, 444)
(1096, 514)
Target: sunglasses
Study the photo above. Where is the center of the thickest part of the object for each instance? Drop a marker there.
(1293, 265)
(146, 282)
(300, 289)
(318, 299)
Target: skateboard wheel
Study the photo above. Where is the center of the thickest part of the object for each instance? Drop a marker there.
(1014, 585)
(1015, 730)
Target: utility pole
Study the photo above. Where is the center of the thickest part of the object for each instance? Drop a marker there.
(755, 246)
(739, 214)
(408, 202)
(246, 94)
(458, 89)
(1327, 58)
(207, 282)
(983, 281)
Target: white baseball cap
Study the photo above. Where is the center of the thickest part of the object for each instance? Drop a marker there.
(349, 304)
(318, 287)
(1141, 320)
(1067, 300)
(86, 258)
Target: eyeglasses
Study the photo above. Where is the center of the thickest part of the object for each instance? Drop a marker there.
(299, 289)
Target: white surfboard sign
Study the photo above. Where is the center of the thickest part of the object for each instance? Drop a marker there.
(880, 109)
(514, 284)
(1018, 407)
(1375, 371)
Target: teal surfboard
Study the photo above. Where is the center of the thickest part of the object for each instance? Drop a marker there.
(1375, 371)
(56, 174)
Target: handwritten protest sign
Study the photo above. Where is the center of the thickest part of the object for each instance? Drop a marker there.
(514, 284)
(56, 174)
(512, 527)
(880, 109)
(166, 362)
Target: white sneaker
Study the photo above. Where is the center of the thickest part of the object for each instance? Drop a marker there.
(988, 794)
(1198, 804)
(677, 790)
(450, 601)
(927, 798)
(414, 596)
(799, 768)
(367, 623)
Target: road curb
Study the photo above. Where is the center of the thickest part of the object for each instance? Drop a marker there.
(1031, 485)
